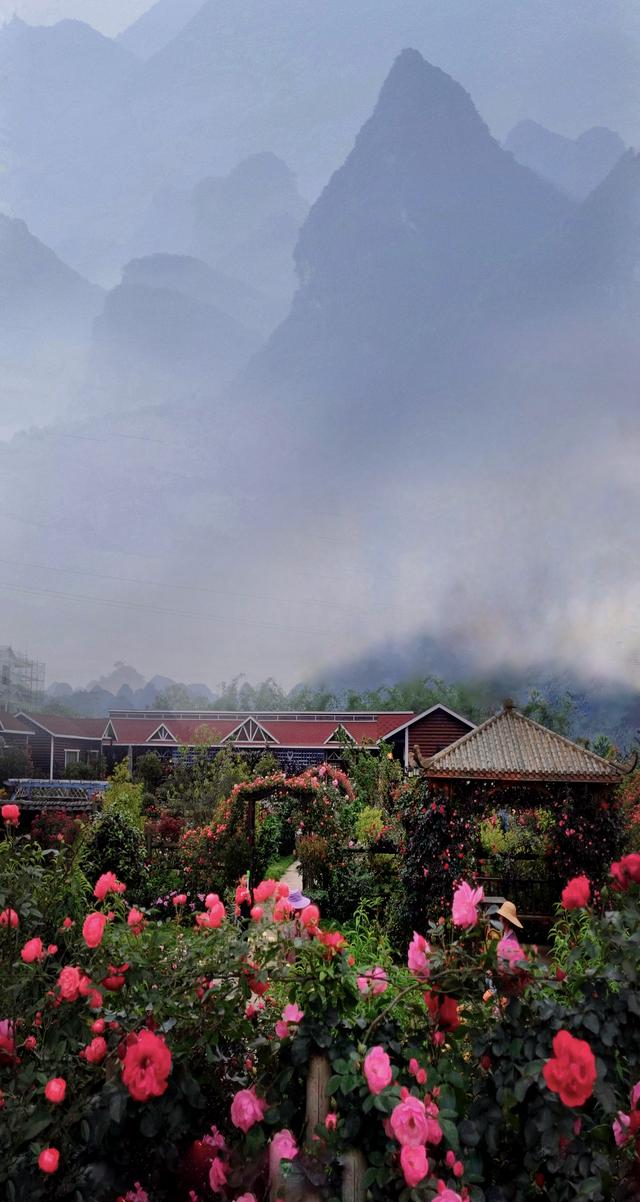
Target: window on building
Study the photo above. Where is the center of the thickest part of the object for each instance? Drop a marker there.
(71, 756)
(93, 757)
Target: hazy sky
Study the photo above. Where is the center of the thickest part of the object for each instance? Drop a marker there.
(109, 16)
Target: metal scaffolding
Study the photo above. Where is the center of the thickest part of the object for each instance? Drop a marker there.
(21, 680)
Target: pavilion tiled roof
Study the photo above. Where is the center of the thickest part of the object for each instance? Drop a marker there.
(511, 746)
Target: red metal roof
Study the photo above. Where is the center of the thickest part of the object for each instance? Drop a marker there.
(289, 731)
(64, 727)
(11, 725)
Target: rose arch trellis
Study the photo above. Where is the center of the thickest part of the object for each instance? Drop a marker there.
(323, 783)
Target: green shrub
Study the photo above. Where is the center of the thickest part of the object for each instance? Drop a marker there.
(122, 796)
(370, 824)
(115, 843)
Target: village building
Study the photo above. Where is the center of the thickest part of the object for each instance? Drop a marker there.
(296, 739)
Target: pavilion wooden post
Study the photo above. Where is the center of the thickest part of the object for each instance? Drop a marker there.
(355, 1167)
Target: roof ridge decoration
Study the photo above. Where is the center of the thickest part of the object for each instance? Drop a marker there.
(339, 729)
(512, 745)
(251, 731)
(161, 734)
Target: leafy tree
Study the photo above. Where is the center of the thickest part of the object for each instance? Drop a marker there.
(14, 763)
(150, 770)
(555, 715)
(122, 796)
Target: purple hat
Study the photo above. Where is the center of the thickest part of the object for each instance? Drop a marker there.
(298, 901)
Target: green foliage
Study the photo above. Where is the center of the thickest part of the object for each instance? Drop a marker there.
(122, 796)
(370, 824)
(150, 770)
(438, 849)
(82, 771)
(14, 763)
(556, 715)
(200, 782)
(115, 843)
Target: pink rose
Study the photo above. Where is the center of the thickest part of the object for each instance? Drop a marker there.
(135, 919)
(417, 956)
(282, 1029)
(283, 1146)
(55, 1089)
(93, 928)
(9, 918)
(257, 913)
(217, 1175)
(49, 1160)
(409, 1122)
(11, 814)
(374, 982)
(282, 910)
(69, 982)
(465, 905)
(434, 1131)
(247, 1198)
(247, 1109)
(509, 949)
(415, 1165)
(331, 1121)
(449, 1195)
(108, 883)
(33, 950)
(264, 890)
(292, 1013)
(635, 1095)
(310, 916)
(620, 1129)
(377, 1069)
(180, 899)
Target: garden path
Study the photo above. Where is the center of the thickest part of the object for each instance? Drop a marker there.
(293, 877)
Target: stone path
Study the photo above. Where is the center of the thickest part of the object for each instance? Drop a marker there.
(293, 877)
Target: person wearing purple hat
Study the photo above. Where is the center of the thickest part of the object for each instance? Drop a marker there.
(297, 900)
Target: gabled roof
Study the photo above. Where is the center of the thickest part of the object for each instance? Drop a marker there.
(425, 714)
(63, 727)
(12, 726)
(340, 729)
(250, 731)
(510, 746)
(161, 734)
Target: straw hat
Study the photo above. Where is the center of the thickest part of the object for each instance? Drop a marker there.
(507, 910)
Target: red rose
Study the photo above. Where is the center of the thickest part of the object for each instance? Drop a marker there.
(577, 893)
(626, 870)
(49, 1160)
(448, 1017)
(115, 979)
(571, 1071)
(146, 1066)
(95, 1052)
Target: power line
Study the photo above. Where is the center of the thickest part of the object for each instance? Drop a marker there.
(223, 619)
(192, 588)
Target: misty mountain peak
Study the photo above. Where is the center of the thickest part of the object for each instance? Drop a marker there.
(577, 165)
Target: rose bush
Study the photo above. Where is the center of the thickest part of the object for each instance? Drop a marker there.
(168, 1060)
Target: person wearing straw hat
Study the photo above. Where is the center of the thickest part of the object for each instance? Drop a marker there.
(510, 920)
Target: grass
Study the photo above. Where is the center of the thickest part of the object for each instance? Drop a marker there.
(277, 868)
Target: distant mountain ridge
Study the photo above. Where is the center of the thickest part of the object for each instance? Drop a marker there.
(599, 707)
(575, 165)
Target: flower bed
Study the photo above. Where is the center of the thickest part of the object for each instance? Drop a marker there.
(168, 1059)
